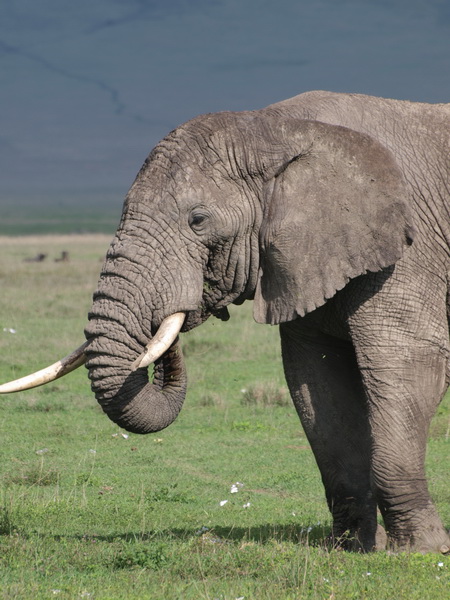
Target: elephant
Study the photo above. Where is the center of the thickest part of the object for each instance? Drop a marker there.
(331, 212)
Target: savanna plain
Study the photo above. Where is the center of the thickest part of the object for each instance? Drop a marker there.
(227, 503)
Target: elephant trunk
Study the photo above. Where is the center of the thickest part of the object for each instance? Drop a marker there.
(146, 280)
(128, 397)
(118, 332)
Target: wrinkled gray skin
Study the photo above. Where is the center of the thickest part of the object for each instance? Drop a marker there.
(332, 212)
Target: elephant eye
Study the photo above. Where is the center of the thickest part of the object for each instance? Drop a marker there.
(197, 218)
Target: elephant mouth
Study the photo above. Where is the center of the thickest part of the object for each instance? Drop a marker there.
(222, 314)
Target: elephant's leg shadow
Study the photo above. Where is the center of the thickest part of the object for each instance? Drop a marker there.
(325, 384)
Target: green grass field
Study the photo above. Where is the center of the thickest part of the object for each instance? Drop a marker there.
(89, 512)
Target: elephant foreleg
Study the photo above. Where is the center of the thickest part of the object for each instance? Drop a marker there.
(325, 384)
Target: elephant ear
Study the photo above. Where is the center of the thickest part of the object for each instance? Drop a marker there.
(333, 212)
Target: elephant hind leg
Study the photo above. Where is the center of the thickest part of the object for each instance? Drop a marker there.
(325, 385)
(447, 371)
(404, 386)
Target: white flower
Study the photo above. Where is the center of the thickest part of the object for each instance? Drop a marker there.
(246, 505)
(441, 564)
(223, 502)
(9, 330)
(235, 487)
(43, 451)
(125, 435)
(93, 451)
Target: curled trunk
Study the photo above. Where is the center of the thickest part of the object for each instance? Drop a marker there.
(128, 397)
(116, 339)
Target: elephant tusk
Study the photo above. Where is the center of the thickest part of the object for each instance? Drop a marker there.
(55, 371)
(164, 338)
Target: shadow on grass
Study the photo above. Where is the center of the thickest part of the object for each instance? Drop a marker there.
(316, 535)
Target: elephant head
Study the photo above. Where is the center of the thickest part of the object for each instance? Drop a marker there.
(231, 207)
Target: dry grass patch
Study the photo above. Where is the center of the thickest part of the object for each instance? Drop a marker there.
(266, 394)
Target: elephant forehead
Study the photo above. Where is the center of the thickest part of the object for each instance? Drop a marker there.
(179, 183)
(199, 178)
(192, 192)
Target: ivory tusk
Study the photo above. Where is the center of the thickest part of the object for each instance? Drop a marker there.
(58, 369)
(164, 338)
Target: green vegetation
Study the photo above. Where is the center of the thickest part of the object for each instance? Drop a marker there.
(95, 212)
(87, 511)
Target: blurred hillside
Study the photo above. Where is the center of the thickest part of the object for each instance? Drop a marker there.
(64, 212)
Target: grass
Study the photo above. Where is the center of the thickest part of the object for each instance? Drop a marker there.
(89, 512)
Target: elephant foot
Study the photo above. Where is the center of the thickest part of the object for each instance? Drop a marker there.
(433, 540)
(357, 542)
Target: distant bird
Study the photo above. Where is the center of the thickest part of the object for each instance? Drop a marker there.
(64, 257)
(37, 258)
